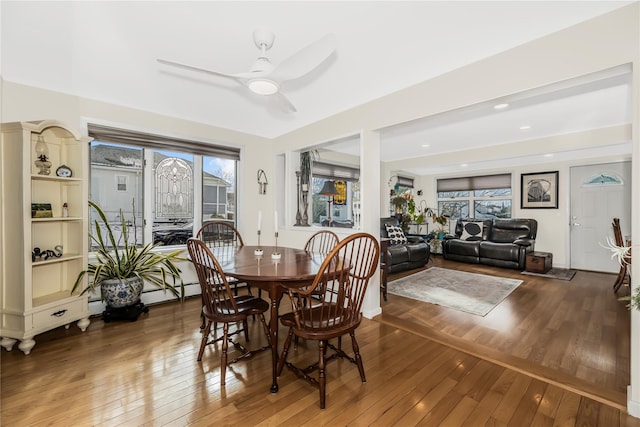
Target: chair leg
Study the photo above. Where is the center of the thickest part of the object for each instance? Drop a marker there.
(205, 337)
(203, 321)
(265, 327)
(285, 351)
(620, 278)
(223, 356)
(322, 380)
(356, 350)
(245, 326)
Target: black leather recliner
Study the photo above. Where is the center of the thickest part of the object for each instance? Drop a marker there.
(503, 243)
(405, 256)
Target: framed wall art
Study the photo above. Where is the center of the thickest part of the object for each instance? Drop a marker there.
(539, 190)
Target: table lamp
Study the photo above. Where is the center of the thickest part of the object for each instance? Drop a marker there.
(329, 190)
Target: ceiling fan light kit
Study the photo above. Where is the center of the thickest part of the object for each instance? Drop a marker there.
(265, 79)
(263, 86)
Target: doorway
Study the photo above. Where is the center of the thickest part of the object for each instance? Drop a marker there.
(599, 193)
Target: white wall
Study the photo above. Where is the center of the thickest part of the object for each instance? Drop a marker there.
(604, 42)
(24, 103)
(553, 224)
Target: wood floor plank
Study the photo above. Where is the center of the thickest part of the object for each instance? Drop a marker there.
(145, 373)
(547, 327)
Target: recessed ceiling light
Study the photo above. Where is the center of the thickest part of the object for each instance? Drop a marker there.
(464, 165)
(525, 127)
(500, 106)
(548, 155)
(425, 145)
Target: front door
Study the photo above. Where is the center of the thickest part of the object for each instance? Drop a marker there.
(599, 193)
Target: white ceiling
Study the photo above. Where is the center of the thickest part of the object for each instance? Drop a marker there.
(107, 51)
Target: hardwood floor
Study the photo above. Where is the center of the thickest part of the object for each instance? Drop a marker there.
(146, 373)
(575, 333)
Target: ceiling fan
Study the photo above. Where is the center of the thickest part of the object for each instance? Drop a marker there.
(264, 78)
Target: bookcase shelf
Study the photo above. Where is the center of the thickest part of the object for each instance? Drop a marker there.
(37, 294)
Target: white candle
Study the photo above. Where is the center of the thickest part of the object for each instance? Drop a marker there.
(276, 220)
(259, 220)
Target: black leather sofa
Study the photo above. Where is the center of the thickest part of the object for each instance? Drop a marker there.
(502, 242)
(404, 256)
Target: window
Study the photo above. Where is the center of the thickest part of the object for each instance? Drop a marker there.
(342, 204)
(121, 183)
(489, 195)
(157, 180)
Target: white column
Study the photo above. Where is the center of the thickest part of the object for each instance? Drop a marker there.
(633, 392)
(370, 207)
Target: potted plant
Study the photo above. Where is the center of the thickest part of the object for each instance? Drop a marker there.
(120, 273)
(399, 202)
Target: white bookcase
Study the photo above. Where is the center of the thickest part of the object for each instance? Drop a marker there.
(36, 294)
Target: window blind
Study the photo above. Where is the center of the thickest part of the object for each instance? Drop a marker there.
(331, 171)
(404, 181)
(160, 142)
(470, 183)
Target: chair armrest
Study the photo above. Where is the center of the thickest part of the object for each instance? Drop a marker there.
(449, 237)
(414, 239)
(524, 242)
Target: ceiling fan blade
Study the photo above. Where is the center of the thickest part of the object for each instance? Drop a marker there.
(305, 59)
(283, 103)
(240, 77)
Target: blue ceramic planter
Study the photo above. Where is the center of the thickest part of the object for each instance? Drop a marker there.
(121, 292)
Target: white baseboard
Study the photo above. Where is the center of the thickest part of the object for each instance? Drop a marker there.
(370, 314)
(633, 406)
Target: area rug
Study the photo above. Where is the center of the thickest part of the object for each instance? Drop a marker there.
(469, 292)
(554, 273)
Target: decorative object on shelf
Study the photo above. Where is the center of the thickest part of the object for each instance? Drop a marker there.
(125, 264)
(41, 210)
(42, 255)
(64, 171)
(329, 190)
(65, 210)
(539, 190)
(42, 156)
(262, 182)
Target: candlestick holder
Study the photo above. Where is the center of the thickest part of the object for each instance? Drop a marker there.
(259, 251)
(276, 254)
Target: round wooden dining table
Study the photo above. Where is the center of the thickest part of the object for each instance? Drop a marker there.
(294, 269)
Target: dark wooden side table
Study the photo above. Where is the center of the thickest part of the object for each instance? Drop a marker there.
(384, 266)
(538, 262)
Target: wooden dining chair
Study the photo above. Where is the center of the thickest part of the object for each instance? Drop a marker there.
(217, 234)
(344, 275)
(322, 242)
(623, 274)
(222, 306)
